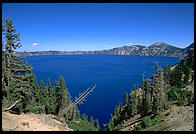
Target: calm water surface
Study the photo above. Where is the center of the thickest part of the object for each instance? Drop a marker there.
(113, 75)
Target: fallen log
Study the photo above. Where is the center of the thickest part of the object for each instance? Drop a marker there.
(11, 106)
(77, 101)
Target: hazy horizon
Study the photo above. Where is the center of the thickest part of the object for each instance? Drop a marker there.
(93, 50)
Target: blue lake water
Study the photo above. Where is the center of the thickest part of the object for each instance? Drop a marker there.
(113, 75)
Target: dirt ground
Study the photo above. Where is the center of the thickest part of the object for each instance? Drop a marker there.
(180, 119)
(31, 122)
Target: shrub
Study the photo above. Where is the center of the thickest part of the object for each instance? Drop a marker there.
(173, 94)
(182, 101)
(147, 122)
(185, 97)
(35, 109)
(157, 119)
(82, 125)
(188, 95)
(139, 127)
(118, 127)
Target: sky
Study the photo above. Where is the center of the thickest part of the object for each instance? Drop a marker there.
(99, 26)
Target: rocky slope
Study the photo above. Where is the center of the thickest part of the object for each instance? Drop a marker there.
(187, 50)
(157, 49)
(181, 118)
(31, 122)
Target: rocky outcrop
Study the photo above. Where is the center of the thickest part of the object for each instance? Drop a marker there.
(32, 122)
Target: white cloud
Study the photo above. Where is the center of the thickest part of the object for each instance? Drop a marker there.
(137, 44)
(128, 44)
(132, 44)
(107, 45)
(35, 44)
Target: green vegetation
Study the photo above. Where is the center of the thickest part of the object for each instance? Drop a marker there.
(156, 93)
(183, 97)
(173, 94)
(147, 122)
(19, 84)
(84, 125)
(17, 77)
(147, 98)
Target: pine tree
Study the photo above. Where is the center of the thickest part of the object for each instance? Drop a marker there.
(117, 115)
(187, 73)
(57, 96)
(147, 102)
(65, 96)
(176, 77)
(48, 107)
(109, 126)
(92, 122)
(32, 89)
(31, 106)
(65, 102)
(76, 113)
(120, 108)
(54, 95)
(126, 99)
(159, 91)
(12, 41)
(41, 93)
(139, 104)
(85, 117)
(41, 98)
(126, 116)
(134, 108)
(167, 77)
(16, 75)
(96, 123)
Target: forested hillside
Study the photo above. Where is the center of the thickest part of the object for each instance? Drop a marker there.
(22, 94)
(144, 107)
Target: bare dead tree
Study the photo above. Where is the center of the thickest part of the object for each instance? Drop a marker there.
(77, 101)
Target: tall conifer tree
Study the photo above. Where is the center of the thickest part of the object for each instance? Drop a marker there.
(16, 75)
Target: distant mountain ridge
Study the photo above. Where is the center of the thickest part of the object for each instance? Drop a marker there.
(156, 49)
